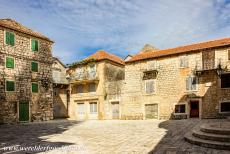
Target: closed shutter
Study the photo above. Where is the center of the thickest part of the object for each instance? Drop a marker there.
(194, 83)
(34, 66)
(10, 86)
(34, 45)
(149, 87)
(7, 38)
(9, 62)
(34, 87)
(11, 39)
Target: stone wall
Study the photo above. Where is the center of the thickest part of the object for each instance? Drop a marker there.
(41, 103)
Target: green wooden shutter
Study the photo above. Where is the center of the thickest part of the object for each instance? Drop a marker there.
(34, 87)
(10, 86)
(11, 38)
(34, 66)
(7, 39)
(9, 62)
(34, 45)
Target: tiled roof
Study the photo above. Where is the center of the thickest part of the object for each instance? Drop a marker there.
(181, 49)
(12, 24)
(102, 55)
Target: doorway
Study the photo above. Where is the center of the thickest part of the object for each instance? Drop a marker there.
(194, 109)
(115, 110)
(23, 111)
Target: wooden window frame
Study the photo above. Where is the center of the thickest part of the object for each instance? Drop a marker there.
(5, 31)
(227, 101)
(197, 84)
(31, 44)
(6, 85)
(6, 61)
(175, 113)
(32, 87)
(31, 66)
(93, 107)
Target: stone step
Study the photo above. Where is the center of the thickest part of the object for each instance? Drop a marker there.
(214, 130)
(206, 143)
(209, 136)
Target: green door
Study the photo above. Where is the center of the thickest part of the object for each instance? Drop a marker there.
(23, 111)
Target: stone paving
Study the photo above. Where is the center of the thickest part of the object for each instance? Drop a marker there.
(102, 137)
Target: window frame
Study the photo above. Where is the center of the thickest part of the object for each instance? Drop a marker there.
(180, 60)
(226, 101)
(94, 87)
(31, 66)
(6, 61)
(82, 88)
(32, 87)
(31, 44)
(93, 107)
(6, 85)
(174, 112)
(154, 84)
(197, 84)
(5, 31)
(221, 84)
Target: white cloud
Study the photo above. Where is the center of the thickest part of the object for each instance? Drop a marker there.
(121, 26)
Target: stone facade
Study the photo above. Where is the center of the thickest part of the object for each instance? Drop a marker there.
(40, 104)
(170, 88)
(90, 96)
(60, 89)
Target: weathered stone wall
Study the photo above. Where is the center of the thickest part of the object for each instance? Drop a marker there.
(171, 86)
(41, 103)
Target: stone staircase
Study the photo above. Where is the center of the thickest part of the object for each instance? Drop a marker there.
(215, 135)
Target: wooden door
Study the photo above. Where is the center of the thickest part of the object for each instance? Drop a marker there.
(115, 110)
(23, 111)
(80, 111)
(194, 109)
(151, 111)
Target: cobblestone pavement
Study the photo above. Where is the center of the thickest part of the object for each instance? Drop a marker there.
(102, 137)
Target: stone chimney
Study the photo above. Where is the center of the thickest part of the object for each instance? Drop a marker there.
(148, 48)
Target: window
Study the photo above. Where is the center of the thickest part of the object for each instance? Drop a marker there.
(191, 83)
(9, 62)
(180, 108)
(229, 54)
(56, 76)
(81, 108)
(149, 86)
(34, 45)
(9, 39)
(183, 61)
(225, 106)
(34, 66)
(92, 71)
(93, 107)
(92, 87)
(34, 87)
(225, 80)
(80, 88)
(10, 86)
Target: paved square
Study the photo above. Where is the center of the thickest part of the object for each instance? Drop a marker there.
(108, 136)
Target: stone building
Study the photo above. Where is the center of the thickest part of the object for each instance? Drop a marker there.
(60, 89)
(25, 74)
(95, 87)
(182, 82)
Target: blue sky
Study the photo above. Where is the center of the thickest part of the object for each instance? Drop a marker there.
(81, 27)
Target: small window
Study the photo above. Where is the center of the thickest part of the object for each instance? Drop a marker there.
(10, 86)
(225, 106)
(34, 87)
(34, 66)
(149, 86)
(34, 45)
(184, 61)
(180, 108)
(9, 39)
(191, 83)
(92, 87)
(80, 88)
(9, 62)
(225, 80)
(93, 107)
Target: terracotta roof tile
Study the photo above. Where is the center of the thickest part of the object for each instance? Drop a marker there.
(181, 49)
(102, 55)
(12, 24)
